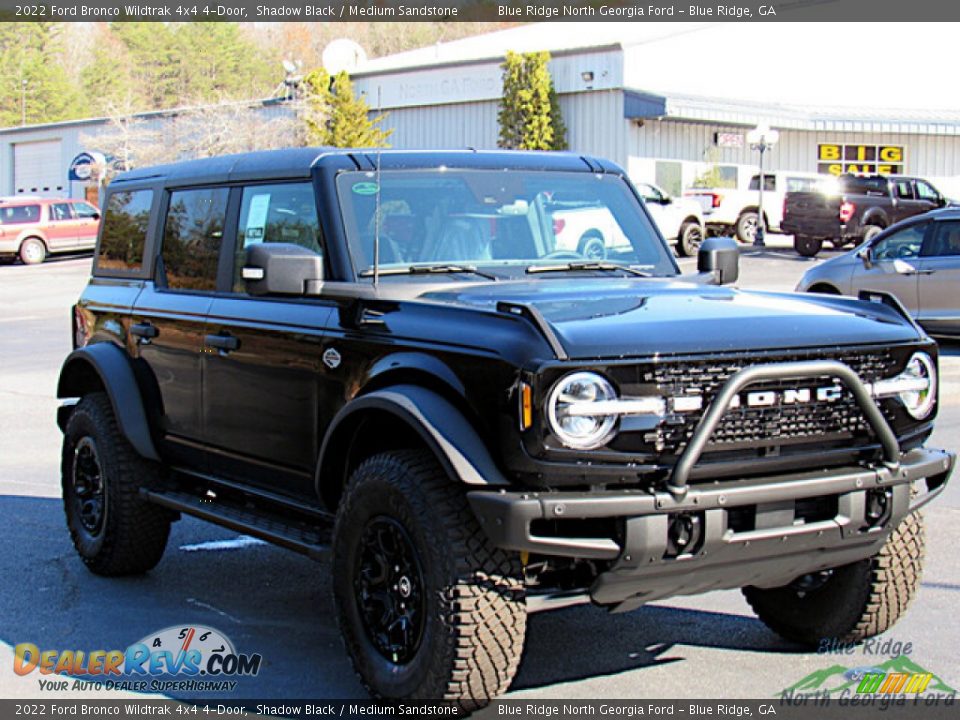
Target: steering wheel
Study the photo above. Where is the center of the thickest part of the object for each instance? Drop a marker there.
(906, 251)
(563, 255)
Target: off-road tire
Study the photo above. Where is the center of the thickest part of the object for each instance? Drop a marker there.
(134, 532)
(807, 246)
(858, 601)
(32, 251)
(689, 239)
(746, 227)
(476, 615)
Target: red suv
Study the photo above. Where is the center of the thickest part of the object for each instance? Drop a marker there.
(32, 227)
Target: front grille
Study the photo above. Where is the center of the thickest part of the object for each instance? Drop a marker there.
(813, 422)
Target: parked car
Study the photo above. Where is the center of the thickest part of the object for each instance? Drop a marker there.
(386, 353)
(917, 260)
(728, 211)
(855, 209)
(32, 228)
(679, 219)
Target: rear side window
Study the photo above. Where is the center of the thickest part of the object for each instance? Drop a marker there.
(125, 223)
(283, 213)
(192, 235)
(17, 214)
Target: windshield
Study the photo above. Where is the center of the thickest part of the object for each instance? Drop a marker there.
(507, 221)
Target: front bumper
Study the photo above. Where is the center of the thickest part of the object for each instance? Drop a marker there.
(779, 546)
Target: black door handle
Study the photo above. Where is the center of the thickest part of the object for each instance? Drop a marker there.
(223, 343)
(145, 331)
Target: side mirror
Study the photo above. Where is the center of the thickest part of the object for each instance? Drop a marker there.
(282, 269)
(666, 200)
(866, 256)
(720, 257)
(95, 216)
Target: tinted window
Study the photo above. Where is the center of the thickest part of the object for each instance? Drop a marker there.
(192, 234)
(16, 214)
(864, 185)
(125, 223)
(945, 241)
(904, 189)
(284, 213)
(769, 183)
(61, 211)
(903, 244)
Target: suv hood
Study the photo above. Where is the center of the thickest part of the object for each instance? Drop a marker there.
(601, 318)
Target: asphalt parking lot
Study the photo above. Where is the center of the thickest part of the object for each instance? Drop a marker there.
(279, 604)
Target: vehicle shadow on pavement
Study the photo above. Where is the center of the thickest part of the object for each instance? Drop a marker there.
(607, 644)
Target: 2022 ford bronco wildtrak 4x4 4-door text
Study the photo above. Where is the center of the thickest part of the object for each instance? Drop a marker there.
(387, 354)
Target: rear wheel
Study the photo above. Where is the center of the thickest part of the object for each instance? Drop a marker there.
(746, 229)
(807, 246)
(849, 603)
(32, 251)
(114, 530)
(689, 239)
(427, 607)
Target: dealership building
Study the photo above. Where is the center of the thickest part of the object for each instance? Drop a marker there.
(667, 101)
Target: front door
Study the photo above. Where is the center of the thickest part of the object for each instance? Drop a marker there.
(939, 280)
(263, 360)
(893, 266)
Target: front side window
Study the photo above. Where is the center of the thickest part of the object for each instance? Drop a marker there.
(85, 210)
(903, 244)
(511, 220)
(927, 192)
(19, 214)
(124, 234)
(192, 234)
(649, 193)
(281, 213)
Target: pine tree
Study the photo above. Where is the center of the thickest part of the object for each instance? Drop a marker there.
(529, 114)
(334, 116)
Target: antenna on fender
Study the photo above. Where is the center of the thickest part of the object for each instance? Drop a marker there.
(377, 218)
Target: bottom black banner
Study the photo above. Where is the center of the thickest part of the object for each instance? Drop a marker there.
(804, 707)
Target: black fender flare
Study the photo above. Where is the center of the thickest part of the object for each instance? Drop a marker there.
(875, 216)
(442, 427)
(113, 369)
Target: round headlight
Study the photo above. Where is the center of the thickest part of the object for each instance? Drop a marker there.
(919, 403)
(568, 409)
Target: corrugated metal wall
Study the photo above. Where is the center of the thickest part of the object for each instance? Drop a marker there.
(594, 125)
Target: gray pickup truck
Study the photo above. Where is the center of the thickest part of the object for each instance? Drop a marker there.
(861, 208)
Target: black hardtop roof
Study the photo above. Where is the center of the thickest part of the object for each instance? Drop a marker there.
(298, 162)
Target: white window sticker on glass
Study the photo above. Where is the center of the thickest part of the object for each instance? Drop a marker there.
(256, 219)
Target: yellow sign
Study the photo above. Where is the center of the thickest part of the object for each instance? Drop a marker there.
(840, 158)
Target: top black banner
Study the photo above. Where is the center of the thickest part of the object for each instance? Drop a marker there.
(481, 10)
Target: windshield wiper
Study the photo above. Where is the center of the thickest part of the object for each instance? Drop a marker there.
(588, 265)
(431, 270)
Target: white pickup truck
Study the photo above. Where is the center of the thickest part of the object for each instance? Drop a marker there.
(729, 211)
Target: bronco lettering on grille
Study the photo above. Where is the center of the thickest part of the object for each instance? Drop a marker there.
(792, 396)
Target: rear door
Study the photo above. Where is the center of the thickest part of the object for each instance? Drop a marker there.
(169, 315)
(939, 279)
(263, 359)
(61, 227)
(894, 259)
(907, 204)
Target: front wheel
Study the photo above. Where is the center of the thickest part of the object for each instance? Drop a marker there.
(807, 246)
(427, 607)
(849, 603)
(115, 531)
(690, 239)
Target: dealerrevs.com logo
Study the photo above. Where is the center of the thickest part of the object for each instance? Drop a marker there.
(201, 658)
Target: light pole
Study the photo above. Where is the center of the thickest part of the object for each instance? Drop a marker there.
(761, 138)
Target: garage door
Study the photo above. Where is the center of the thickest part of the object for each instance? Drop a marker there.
(37, 169)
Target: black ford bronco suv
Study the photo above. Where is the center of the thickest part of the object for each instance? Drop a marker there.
(409, 359)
